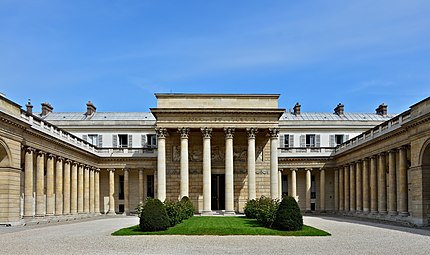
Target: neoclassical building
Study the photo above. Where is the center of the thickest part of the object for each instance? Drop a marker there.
(218, 149)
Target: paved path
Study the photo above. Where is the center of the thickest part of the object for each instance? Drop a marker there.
(93, 237)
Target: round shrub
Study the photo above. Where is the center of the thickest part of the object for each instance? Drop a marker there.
(266, 211)
(288, 215)
(154, 216)
(250, 209)
(186, 208)
(173, 212)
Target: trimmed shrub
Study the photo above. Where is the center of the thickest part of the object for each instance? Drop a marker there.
(154, 216)
(186, 208)
(266, 211)
(173, 212)
(288, 215)
(250, 209)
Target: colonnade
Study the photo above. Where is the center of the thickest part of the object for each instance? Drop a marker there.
(142, 187)
(308, 183)
(229, 165)
(71, 187)
(361, 186)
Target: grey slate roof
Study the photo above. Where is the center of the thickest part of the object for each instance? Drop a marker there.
(332, 116)
(99, 116)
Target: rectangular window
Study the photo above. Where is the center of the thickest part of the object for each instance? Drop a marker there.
(93, 139)
(151, 140)
(339, 139)
(123, 141)
(287, 141)
(121, 187)
(150, 186)
(310, 141)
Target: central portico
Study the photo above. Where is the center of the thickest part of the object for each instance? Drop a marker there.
(205, 137)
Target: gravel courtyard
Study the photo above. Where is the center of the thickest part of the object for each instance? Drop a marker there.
(93, 237)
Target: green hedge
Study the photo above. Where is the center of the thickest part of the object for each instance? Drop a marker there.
(151, 213)
(262, 209)
(288, 215)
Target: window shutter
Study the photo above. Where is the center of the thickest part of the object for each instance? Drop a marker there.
(346, 138)
(302, 141)
(318, 141)
(332, 142)
(100, 141)
(130, 141)
(114, 141)
(143, 141)
(282, 141)
(291, 142)
(85, 138)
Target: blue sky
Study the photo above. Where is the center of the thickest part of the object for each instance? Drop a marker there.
(119, 53)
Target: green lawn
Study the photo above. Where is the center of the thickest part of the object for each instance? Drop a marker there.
(221, 226)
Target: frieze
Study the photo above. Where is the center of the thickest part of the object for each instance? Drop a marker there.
(264, 172)
(195, 154)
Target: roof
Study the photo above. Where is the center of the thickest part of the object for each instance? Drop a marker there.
(332, 116)
(99, 116)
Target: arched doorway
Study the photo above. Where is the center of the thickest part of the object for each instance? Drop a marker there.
(425, 166)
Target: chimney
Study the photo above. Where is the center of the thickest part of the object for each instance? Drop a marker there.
(297, 109)
(91, 109)
(46, 109)
(29, 107)
(339, 110)
(382, 109)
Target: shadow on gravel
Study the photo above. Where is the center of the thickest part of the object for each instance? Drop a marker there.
(424, 231)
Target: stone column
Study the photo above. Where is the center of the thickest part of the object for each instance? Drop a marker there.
(366, 187)
(308, 189)
(352, 185)
(294, 183)
(359, 187)
(111, 192)
(252, 193)
(382, 185)
(322, 190)
(92, 191)
(50, 201)
(336, 189)
(392, 194)
(126, 192)
(341, 189)
(87, 189)
(161, 164)
(229, 182)
(346, 187)
(81, 189)
(273, 132)
(373, 185)
(207, 132)
(59, 187)
(97, 191)
(403, 182)
(74, 189)
(141, 186)
(184, 184)
(280, 184)
(40, 184)
(28, 183)
(66, 191)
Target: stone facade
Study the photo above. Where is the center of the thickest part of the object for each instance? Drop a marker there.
(220, 150)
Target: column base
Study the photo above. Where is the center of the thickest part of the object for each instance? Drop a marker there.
(393, 213)
(404, 214)
(111, 213)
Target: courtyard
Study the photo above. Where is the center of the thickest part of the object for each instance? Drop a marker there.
(94, 237)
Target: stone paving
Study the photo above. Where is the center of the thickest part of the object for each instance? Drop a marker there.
(93, 237)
